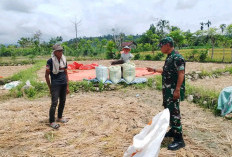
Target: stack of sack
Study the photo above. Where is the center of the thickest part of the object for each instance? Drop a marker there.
(116, 73)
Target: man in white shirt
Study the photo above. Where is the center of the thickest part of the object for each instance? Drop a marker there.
(126, 56)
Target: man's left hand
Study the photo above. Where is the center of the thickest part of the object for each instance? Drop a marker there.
(176, 94)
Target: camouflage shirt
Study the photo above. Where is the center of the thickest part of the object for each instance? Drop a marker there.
(173, 63)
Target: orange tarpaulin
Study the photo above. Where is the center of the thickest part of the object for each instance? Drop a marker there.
(79, 75)
(76, 65)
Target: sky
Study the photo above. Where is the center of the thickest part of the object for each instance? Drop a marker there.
(23, 18)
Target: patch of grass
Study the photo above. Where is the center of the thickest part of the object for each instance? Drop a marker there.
(99, 87)
(28, 74)
(215, 72)
(38, 89)
(206, 99)
(49, 136)
(158, 80)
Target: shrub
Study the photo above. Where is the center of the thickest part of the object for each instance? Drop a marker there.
(192, 55)
(158, 56)
(110, 55)
(137, 56)
(148, 57)
(203, 56)
(118, 56)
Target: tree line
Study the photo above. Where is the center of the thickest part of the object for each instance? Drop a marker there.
(107, 45)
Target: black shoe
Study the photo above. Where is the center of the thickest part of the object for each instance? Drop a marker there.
(175, 145)
(169, 133)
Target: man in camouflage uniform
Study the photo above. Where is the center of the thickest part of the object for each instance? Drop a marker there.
(173, 88)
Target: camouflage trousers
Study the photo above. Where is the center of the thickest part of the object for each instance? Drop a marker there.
(175, 118)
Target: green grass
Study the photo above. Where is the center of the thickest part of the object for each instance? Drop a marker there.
(218, 54)
(28, 74)
(39, 89)
(200, 95)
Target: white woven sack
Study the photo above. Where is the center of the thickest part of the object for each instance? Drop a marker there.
(115, 73)
(147, 142)
(101, 73)
(129, 72)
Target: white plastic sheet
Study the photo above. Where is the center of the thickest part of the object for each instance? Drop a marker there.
(28, 85)
(147, 142)
(11, 85)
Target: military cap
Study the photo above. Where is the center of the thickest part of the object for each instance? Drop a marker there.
(165, 41)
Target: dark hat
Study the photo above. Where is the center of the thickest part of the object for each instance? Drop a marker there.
(166, 40)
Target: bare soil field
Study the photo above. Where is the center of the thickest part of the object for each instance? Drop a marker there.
(216, 84)
(103, 124)
(6, 71)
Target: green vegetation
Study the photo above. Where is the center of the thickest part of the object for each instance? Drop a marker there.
(206, 99)
(209, 45)
(38, 89)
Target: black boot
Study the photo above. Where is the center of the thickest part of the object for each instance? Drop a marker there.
(170, 133)
(177, 143)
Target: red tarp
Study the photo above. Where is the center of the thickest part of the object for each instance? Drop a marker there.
(76, 65)
(79, 75)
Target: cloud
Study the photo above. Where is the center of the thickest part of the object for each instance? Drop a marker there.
(23, 6)
(186, 4)
(22, 18)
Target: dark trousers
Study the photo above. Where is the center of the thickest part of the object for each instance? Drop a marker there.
(175, 118)
(57, 92)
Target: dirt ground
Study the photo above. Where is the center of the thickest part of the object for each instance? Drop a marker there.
(103, 124)
(6, 71)
(216, 84)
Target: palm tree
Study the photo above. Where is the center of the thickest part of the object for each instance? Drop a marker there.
(213, 36)
(208, 23)
(222, 27)
(229, 34)
(202, 25)
(162, 24)
(224, 40)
